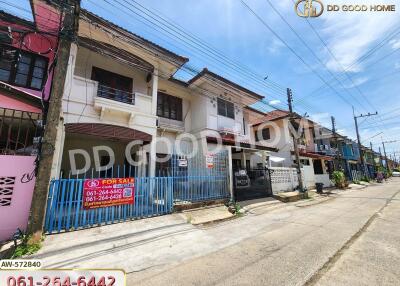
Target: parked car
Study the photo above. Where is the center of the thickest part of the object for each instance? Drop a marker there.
(396, 174)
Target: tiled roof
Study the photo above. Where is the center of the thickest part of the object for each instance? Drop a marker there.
(133, 35)
(271, 116)
(206, 72)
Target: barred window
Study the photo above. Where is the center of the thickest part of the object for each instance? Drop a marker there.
(226, 108)
(169, 106)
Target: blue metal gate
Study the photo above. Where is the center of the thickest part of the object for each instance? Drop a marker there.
(153, 197)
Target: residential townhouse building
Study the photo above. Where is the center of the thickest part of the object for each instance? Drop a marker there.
(351, 157)
(316, 161)
(120, 88)
(27, 51)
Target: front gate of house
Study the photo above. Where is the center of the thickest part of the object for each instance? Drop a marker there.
(252, 183)
(205, 177)
(189, 180)
(152, 197)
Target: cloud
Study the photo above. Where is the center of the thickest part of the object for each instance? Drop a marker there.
(395, 44)
(356, 82)
(351, 34)
(397, 65)
(275, 46)
(274, 102)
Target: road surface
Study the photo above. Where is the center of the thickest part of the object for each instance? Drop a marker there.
(352, 239)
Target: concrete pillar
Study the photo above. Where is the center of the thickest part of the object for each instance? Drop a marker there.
(230, 172)
(243, 159)
(58, 151)
(263, 158)
(154, 92)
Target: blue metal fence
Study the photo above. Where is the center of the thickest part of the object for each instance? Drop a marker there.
(200, 188)
(153, 197)
(197, 181)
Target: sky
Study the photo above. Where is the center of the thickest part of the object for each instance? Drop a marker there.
(310, 56)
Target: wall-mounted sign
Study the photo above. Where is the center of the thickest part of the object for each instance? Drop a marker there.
(182, 163)
(241, 179)
(210, 160)
(101, 193)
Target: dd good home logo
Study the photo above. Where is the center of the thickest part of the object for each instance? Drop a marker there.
(309, 8)
(315, 8)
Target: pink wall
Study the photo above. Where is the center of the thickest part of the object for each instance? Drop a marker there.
(15, 215)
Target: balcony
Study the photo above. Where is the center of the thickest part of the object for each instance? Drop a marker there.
(115, 94)
(171, 124)
(87, 102)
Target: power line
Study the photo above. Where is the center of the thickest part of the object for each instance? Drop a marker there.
(362, 58)
(165, 26)
(310, 49)
(293, 51)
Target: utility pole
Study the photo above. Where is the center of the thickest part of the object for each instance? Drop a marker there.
(384, 152)
(69, 10)
(335, 136)
(380, 156)
(295, 140)
(358, 138)
(373, 158)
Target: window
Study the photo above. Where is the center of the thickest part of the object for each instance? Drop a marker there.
(265, 135)
(112, 80)
(318, 167)
(305, 162)
(113, 86)
(169, 106)
(351, 149)
(226, 108)
(22, 68)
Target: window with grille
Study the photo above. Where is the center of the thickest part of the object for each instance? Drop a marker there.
(226, 108)
(22, 68)
(169, 106)
(265, 135)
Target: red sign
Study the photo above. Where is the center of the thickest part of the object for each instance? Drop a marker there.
(101, 193)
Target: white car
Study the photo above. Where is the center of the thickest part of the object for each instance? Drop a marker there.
(396, 174)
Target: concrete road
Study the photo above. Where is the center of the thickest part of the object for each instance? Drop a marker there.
(352, 239)
(347, 239)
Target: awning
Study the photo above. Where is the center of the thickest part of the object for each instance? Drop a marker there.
(110, 132)
(276, 159)
(315, 156)
(16, 99)
(232, 142)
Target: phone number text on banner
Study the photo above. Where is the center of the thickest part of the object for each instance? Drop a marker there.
(100, 193)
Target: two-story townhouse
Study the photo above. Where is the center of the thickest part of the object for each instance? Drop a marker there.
(351, 157)
(215, 112)
(369, 157)
(119, 89)
(113, 81)
(27, 50)
(316, 165)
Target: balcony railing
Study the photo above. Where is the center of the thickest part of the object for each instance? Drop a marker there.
(115, 94)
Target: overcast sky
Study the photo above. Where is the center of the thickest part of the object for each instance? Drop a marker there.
(320, 86)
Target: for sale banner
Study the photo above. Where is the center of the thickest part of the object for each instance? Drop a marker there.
(101, 193)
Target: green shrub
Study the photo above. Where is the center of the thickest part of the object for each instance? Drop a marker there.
(339, 179)
(27, 247)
